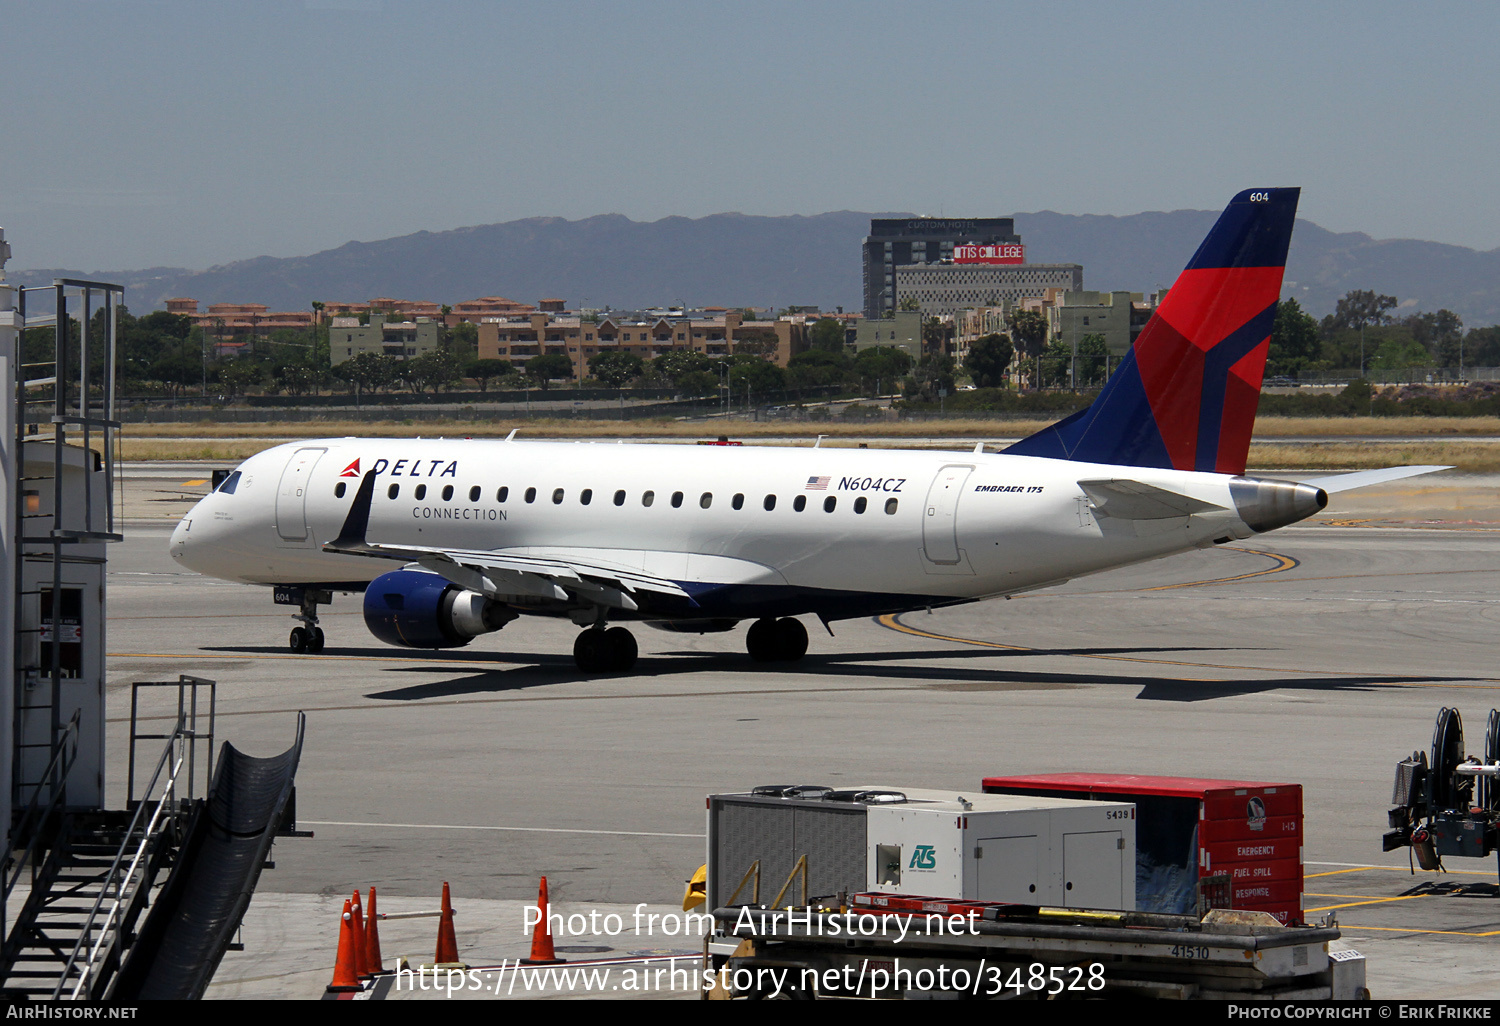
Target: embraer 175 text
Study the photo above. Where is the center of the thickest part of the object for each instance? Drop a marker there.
(699, 538)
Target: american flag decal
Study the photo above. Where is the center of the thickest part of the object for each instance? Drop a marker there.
(817, 484)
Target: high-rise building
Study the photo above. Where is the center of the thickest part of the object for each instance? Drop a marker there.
(894, 241)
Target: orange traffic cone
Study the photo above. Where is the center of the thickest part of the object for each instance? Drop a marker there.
(361, 968)
(542, 952)
(345, 975)
(447, 942)
(373, 961)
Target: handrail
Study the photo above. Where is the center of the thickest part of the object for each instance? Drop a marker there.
(179, 734)
(69, 734)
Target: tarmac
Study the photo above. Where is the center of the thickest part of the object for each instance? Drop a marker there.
(1319, 654)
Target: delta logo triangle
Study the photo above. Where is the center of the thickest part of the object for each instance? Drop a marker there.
(352, 470)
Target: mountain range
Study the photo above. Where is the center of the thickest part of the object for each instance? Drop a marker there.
(743, 260)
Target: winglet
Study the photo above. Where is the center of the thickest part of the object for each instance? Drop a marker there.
(352, 534)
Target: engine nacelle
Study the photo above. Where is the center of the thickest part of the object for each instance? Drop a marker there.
(418, 609)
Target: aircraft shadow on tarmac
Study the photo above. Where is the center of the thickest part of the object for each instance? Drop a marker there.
(537, 670)
(1452, 889)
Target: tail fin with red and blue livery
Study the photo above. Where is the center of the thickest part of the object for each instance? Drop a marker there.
(1185, 396)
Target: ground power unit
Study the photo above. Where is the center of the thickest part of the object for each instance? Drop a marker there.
(1035, 851)
(1031, 851)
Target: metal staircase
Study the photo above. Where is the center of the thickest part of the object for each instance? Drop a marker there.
(93, 872)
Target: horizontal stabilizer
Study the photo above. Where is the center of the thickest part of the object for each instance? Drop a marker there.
(1359, 479)
(1134, 500)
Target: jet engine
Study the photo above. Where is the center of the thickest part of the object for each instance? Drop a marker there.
(418, 609)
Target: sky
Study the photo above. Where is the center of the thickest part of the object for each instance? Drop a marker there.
(138, 133)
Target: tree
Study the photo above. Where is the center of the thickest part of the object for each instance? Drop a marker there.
(462, 340)
(750, 375)
(1295, 342)
(1440, 333)
(878, 367)
(818, 367)
(909, 303)
(1360, 308)
(827, 335)
(614, 368)
(989, 360)
(433, 369)
(1090, 361)
(936, 334)
(483, 370)
(1028, 332)
(933, 374)
(367, 372)
(1400, 354)
(1482, 347)
(696, 383)
(543, 369)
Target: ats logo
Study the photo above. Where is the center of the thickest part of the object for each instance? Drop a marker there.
(352, 470)
(923, 856)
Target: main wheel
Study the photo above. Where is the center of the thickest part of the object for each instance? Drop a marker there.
(590, 651)
(621, 649)
(297, 642)
(760, 641)
(791, 639)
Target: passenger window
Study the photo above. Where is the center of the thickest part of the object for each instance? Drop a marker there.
(447, 493)
(647, 498)
(503, 493)
(859, 504)
(738, 502)
(829, 503)
(474, 494)
(890, 505)
(393, 491)
(531, 495)
(676, 500)
(586, 496)
(338, 490)
(620, 497)
(421, 491)
(799, 503)
(557, 496)
(706, 499)
(770, 502)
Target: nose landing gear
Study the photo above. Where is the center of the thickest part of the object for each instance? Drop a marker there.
(308, 638)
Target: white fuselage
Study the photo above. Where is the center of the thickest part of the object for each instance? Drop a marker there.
(933, 527)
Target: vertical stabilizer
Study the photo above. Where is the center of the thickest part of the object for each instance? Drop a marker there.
(1185, 396)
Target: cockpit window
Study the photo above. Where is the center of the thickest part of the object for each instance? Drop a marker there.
(230, 483)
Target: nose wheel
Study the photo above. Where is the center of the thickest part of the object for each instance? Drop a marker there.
(776, 641)
(597, 650)
(309, 637)
(306, 639)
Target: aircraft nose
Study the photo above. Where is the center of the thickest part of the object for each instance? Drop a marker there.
(177, 547)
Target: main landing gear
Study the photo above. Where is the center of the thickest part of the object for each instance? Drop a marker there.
(308, 638)
(776, 641)
(604, 650)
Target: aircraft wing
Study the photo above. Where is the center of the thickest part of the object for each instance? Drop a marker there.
(491, 572)
(1361, 478)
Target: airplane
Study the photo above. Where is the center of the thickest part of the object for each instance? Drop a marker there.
(452, 539)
